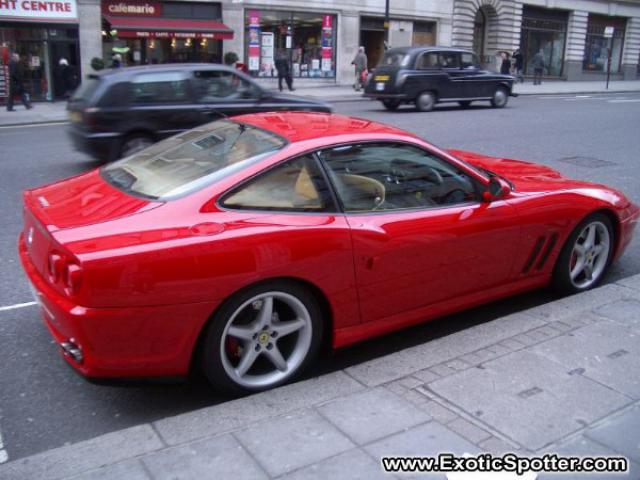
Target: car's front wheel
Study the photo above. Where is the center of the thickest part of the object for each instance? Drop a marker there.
(586, 255)
(262, 337)
(500, 97)
(426, 101)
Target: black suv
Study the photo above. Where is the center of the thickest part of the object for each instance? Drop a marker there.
(118, 112)
(429, 75)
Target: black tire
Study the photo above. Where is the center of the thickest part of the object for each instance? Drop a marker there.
(500, 98)
(211, 355)
(561, 282)
(425, 101)
(391, 105)
(465, 103)
(134, 143)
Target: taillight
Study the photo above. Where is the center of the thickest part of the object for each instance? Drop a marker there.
(55, 267)
(72, 277)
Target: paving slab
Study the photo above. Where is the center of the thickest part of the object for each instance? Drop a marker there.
(602, 352)
(350, 465)
(626, 312)
(529, 398)
(621, 433)
(286, 443)
(372, 414)
(129, 469)
(630, 282)
(582, 446)
(218, 457)
(239, 413)
(429, 439)
(73, 459)
(414, 359)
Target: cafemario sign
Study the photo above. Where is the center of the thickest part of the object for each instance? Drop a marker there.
(57, 11)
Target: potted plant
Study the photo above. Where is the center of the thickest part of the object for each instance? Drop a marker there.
(97, 63)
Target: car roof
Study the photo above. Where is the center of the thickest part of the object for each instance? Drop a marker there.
(125, 71)
(428, 48)
(301, 126)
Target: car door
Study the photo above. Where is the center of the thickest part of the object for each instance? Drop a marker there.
(221, 93)
(455, 86)
(421, 235)
(473, 78)
(161, 102)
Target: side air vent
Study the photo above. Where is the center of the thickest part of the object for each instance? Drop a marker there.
(534, 254)
(547, 250)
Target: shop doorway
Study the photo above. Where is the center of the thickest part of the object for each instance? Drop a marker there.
(372, 39)
(64, 80)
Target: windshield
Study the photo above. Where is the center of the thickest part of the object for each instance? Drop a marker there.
(191, 160)
(394, 59)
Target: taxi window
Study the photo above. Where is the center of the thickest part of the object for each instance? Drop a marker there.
(427, 60)
(448, 59)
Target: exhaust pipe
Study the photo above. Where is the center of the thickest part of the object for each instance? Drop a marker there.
(71, 349)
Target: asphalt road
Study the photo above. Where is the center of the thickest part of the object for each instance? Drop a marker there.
(43, 404)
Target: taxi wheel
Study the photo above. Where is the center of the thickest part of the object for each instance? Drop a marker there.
(391, 105)
(425, 101)
(500, 97)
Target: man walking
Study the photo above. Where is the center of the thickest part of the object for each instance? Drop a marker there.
(538, 67)
(360, 63)
(284, 70)
(518, 64)
(16, 83)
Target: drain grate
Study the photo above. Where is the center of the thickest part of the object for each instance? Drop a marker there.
(587, 162)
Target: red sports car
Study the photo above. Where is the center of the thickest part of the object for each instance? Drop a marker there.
(246, 246)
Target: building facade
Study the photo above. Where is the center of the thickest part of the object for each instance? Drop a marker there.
(578, 38)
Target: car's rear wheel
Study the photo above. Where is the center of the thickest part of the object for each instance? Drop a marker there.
(465, 104)
(500, 97)
(262, 337)
(134, 143)
(426, 101)
(391, 105)
(585, 257)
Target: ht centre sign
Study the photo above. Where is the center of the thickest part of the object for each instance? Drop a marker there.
(39, 10)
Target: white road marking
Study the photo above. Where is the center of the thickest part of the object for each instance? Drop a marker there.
(17, 305)
(34, 125)
(635, 100)
(3, 453)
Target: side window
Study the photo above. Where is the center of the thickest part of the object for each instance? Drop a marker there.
(212, 86)
(116, 96)
(427, 60)
(389, 176)
(295, 185)
(161, 87)
(469, 60)
(448, 59)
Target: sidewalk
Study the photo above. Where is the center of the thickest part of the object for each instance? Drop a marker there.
(47, 112)
(561, 377)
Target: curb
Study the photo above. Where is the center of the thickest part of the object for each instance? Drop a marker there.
(62, 121)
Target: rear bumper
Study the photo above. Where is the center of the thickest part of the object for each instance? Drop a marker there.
(98, 145)
(119, 342)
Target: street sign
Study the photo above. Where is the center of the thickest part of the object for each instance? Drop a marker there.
(608, 32)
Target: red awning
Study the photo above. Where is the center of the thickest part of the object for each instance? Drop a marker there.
(137, 27)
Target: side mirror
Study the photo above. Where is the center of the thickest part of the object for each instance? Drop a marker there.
(497, 189)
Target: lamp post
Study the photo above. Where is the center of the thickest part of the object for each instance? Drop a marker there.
(386, 24)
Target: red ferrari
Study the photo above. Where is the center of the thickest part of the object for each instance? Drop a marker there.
(245, 246)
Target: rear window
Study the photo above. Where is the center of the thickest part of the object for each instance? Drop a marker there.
(191, 160)
(394, 59)
(86, 89)
(161, 87)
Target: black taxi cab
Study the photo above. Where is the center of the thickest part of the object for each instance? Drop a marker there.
(426, 76)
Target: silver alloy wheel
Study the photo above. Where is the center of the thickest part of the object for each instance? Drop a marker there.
(134, 145)
(500, 98)
(426, 101)
(589, 255)
(254, 333)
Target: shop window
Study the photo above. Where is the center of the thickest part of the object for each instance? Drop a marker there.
(424, 33)
(544, 29)
(165, 87)
(305, 40)
(596, 48)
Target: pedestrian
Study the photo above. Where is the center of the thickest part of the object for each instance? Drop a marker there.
(360, 63)
(505, 66)
(283, 67)
(116, 60)
(66, 76)
(537, 62)
(16, 83)
(518, 64)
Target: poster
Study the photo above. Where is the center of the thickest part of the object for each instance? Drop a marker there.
(327, 44)
(254, 40)
(267, 54)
